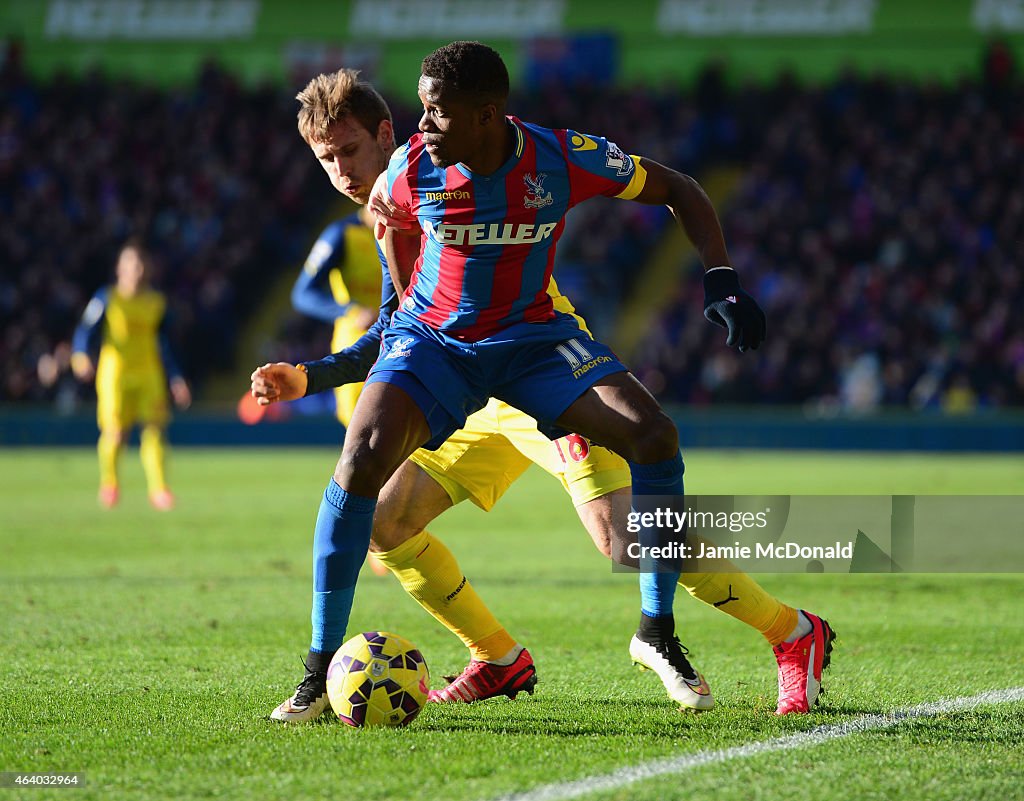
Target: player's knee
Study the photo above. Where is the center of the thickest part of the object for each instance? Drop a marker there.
(115, 436)
(361, 474)
(656, 439)
(363, 468)
(391, 528)
(387, 539)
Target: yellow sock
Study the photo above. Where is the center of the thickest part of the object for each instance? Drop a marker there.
(429, 573)
(737, 594)
(153, 455)
(109, 450)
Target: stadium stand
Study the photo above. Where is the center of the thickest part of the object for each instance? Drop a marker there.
(213, 175)
(890, 278)
(879, 223)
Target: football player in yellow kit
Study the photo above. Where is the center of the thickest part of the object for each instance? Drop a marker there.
(127, 324)
(340, 284)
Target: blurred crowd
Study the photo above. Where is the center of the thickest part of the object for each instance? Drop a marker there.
(877, 221)
(881, 226)
(213, 176)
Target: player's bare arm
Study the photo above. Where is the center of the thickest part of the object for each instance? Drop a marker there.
(725, 302)
(690, 205)
(401, 252)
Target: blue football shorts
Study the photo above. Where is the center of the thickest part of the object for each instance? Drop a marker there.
(539, 368)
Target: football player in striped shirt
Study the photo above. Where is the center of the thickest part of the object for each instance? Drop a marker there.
(410, 500)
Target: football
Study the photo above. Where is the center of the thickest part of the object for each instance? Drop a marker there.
(377, 679)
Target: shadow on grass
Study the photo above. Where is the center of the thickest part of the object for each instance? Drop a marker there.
(617, 717)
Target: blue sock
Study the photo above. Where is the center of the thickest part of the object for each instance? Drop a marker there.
(342, 535)
(658, 587)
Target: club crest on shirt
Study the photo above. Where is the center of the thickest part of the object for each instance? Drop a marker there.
(400, 348)
(536, 197)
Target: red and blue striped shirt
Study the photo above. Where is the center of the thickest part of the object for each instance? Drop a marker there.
(488, 244)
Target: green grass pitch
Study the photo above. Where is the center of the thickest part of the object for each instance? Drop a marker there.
(147, 649)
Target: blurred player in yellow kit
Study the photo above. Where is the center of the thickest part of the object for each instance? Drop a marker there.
(126, 322)
(340, 284)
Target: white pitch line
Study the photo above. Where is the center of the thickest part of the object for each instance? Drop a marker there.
(559, 791)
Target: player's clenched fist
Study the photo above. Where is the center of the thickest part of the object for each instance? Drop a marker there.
(272, 383)
(727, 305)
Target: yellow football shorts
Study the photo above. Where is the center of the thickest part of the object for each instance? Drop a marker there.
(124, 399)
(498, 443)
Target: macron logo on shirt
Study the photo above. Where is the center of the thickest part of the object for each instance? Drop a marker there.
(456, 194)
(488, 233)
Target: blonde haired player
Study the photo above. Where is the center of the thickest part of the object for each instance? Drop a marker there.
(479, 463)
(126, 322)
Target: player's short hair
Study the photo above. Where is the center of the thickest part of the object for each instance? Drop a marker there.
(138, 243)
(470, 67)
(329, 97)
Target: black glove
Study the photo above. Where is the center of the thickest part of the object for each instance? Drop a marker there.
(727, 305)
